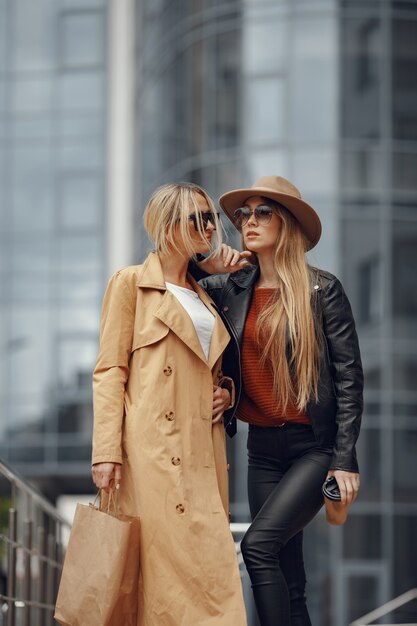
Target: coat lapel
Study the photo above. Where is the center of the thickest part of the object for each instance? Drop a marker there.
(173, 315)
(220, 337)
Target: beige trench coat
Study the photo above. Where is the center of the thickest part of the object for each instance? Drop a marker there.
(153, 392)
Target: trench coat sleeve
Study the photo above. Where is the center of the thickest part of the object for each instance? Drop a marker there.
(112, 367)
(344, 355)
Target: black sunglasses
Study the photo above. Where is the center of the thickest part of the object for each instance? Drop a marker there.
(262, 213)
(204, 219)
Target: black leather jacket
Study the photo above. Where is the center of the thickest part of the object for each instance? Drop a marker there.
(336, 417)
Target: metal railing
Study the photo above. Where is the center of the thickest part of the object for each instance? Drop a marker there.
(31, 553)
(387, 608)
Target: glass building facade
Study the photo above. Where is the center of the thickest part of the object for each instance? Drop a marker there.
(188, 97)
(378, 200)
(324, 93)
(52, 233)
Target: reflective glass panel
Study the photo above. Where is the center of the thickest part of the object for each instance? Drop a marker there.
(265, 111)
(82, 42)
(405, 483)
(33, 35)
(76, 358)
(369, 459)
(404, 573)
(80, 197)
(362, 538)
(81, 91)
(32, 188)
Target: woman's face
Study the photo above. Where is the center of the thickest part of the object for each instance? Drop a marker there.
(200, 244)
(261, 231)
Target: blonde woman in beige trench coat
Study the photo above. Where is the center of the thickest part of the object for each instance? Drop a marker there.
(158, 432)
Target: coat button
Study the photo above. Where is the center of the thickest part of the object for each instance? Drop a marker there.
(225, 308)
(169, 416)
(175, 460)
(228, 466)
(168, 370)
(180, 508)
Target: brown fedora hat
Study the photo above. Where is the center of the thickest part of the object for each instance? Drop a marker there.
(282, 191)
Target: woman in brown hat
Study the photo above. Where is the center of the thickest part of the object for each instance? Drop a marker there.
(297, 369)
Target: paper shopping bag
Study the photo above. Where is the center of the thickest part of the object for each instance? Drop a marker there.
(99, 583)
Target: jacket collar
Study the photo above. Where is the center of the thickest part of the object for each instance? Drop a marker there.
(247, 277)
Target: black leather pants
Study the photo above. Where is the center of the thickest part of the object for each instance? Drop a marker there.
(286, 471)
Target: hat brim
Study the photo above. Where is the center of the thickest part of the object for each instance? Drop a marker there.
(305, 214)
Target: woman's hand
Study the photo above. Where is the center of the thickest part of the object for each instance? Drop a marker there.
(221, 401)
(107, 476)
(349, 483)
(225, 260)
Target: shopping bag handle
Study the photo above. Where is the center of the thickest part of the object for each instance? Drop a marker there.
(112, 501)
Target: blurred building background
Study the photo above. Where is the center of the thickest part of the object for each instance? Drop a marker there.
(53, 79)
(103, 100)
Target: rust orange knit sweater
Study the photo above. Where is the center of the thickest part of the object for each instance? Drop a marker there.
(258, 404)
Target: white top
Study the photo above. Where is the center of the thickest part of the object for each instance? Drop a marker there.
(201, 317)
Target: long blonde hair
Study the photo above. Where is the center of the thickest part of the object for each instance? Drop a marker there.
(171, 205)
(288, 319)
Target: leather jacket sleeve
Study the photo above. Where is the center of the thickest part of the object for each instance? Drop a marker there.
(343, 356)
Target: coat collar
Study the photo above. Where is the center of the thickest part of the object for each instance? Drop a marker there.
(173, 315)
(151, 275)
